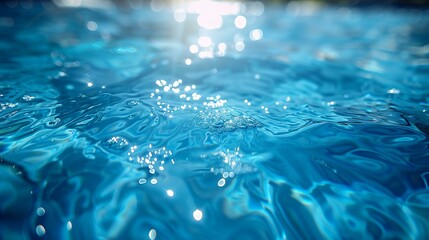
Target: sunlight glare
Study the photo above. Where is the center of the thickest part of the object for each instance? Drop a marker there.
(210, 21)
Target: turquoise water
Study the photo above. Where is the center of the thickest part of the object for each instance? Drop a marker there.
(292, 121)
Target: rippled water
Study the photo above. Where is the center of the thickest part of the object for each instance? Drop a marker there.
(291, 122)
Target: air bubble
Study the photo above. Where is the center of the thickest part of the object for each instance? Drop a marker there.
(40, 211)
(27, 98)
(221, 182)
(152, 234)
(142, 181)
(69, 226)
(40, 230)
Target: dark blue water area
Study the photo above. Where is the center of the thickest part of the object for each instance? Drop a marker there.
(293, 121)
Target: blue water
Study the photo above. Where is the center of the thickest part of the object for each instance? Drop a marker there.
(302, 122)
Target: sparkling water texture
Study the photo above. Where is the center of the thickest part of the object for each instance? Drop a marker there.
(255, 122)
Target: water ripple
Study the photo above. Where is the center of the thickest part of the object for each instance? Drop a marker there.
(121, 124)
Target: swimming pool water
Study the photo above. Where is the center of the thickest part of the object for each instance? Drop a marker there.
(284, 122)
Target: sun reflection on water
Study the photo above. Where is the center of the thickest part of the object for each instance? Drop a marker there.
(209, 19)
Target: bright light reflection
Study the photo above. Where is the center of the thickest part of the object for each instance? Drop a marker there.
(179, 15)
(210, 21)
(206, 7)
(205, 54)
(193, 48)
(198, 215)
(393, 91)
(170, 192)
(188, 61)
(222, 47)
(210, 12)
(256, 34)
(239, 46)
(204, 41)
(240, 22)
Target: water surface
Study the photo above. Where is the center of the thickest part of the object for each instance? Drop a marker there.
(295, 121)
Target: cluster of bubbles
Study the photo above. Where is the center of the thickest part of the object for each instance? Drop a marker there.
(187, 93)
(8, 100)
(225, 119)
(40, 229)
(229, 164)
(6, 105)
(167, 94)
(116, 143)
(154, 160)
